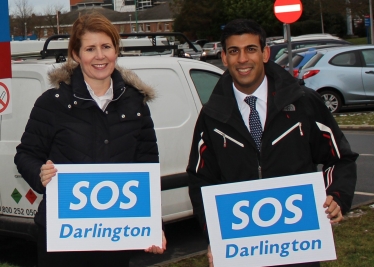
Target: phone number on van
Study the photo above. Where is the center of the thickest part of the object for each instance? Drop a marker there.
(18, 211)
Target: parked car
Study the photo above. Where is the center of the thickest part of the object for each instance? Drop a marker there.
(278, 47)
(300, 57)
(342, 75)
(201, 42)
(189, 53)
(200, 49)
(213, 49)
(182, 86)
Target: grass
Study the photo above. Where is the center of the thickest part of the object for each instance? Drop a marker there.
(355, 41)
(359, 118)
(354, 239)
(353, 242)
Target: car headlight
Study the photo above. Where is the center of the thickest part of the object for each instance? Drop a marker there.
(187, 55)
(203, 54)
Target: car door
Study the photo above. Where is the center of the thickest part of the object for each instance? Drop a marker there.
(368, 73)
(345, 76)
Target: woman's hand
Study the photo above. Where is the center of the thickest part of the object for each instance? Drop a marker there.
(157, 250)
(47, 171)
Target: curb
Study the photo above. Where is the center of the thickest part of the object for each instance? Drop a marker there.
(371, 201)
(357, 127)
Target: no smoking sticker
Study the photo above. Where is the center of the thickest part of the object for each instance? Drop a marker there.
(5, 97)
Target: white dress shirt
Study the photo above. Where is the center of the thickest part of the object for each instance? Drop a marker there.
(261, 104)
(102, 101)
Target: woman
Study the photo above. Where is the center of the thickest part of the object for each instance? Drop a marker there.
(97, 113)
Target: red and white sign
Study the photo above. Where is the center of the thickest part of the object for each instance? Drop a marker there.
(5, 98)
(288, 11)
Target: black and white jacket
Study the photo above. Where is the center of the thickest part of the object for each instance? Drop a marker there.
(67, 126)
(299, 134)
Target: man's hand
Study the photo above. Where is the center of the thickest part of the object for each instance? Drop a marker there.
(157, 250)
(210, 257)
(47, 171)
(333, 210)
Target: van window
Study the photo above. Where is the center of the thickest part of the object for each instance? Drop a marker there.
(204, 82)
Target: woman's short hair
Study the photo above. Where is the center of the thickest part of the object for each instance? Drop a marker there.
(92, 22)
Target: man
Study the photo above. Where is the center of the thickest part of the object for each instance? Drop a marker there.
(260, 123)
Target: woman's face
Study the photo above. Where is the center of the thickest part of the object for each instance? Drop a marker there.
(97, 57)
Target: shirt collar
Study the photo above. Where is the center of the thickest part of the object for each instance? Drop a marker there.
(108, 95)
(261, 93)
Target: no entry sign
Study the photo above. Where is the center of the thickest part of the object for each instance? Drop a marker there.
(288, 11)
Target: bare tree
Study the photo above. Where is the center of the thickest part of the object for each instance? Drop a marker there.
(22, 14)
(51, 17)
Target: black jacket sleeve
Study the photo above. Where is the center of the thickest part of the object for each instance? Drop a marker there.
(35, 145)
(203, 169)
(331, 149)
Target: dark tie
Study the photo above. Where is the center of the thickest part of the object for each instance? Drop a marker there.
(254, 121)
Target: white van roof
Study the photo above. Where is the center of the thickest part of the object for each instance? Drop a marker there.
(134, 44)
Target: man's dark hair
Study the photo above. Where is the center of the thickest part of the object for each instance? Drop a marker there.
(242, 26)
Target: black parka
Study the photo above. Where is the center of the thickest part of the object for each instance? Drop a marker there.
(66, 126)
(299, 133)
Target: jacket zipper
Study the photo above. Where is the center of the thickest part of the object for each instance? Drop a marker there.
(90, 99)
(299, 124)
(228, 137)
(259, 163)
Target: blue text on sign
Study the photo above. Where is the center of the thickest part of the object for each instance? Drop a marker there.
(104, 195)
(266, 212)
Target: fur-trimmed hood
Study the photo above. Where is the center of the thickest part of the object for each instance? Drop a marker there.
(64, 72)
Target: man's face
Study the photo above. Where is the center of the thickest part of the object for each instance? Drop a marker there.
(245, 61)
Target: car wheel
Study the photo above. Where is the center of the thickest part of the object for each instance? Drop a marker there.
(219, 55)
(332, 100)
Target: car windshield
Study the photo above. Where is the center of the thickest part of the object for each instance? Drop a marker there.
(282, 60)
(208, 45)
(280, 53)
(198, 47)
(297, 59)
(313, 61)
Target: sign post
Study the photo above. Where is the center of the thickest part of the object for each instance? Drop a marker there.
(288, 11)
(367, 26)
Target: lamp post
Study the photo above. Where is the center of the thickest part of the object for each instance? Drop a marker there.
(25, 30)
(136, 15)
(320, 7)
(371, 21)
(130, 23)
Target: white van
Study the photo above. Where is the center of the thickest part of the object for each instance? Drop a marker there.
(182, 85)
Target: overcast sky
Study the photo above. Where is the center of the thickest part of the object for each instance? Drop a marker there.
(40, 5)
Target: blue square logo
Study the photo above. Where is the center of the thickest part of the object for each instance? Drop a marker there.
(104, 195)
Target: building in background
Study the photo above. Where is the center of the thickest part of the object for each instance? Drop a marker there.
(155, 18)
(116, 5)
(79, 4)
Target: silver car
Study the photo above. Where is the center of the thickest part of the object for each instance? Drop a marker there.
(213, 49)
(341, 75)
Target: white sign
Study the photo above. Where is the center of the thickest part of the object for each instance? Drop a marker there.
(269, 222)
(5, 96)
(104, 207)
